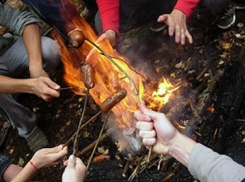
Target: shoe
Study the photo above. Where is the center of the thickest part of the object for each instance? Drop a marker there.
(158, 27)
(37, 140)
(227, 19)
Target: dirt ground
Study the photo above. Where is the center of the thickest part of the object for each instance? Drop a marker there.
(157, 55)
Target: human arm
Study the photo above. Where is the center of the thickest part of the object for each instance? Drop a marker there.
(32, 41)
(27, 25)
(177, 19)
(157, 131)
(202, 162)
(75, 170)
(109, 13)
(42, 158)
(43, 87)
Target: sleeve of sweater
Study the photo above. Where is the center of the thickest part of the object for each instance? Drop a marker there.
(186, 6)
(209, 166)
(16, 20)
(109, 13)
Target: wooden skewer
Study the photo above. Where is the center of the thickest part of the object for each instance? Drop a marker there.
(98, 140)
(91, 119)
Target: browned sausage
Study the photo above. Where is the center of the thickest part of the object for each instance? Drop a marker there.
(76, 38)
(111, 101)
(102, 157)
(88, 74)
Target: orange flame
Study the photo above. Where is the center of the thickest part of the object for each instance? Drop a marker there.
(108, 77)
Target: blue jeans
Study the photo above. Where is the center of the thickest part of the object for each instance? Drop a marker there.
(14, 63)
(4, 163)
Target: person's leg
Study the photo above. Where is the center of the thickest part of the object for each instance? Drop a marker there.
(216, 6)
(14, 63)
(11, 171)
(7, 170)
(138, 12)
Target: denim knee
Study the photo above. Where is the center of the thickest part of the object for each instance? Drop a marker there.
(4, 163)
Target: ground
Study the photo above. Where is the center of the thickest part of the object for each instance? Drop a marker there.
(157, 55)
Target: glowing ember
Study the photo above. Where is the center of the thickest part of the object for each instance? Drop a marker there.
(108, 77)
(211, 109)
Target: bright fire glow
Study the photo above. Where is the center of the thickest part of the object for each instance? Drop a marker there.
(108, 77)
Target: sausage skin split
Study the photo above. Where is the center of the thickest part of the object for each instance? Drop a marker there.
(88, 74)
(111, 101)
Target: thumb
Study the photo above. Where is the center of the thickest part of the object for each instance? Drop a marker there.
(162, 18)
(71, 161)
(52, 84)
(147, 111)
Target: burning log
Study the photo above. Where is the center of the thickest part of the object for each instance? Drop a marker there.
(203, 105)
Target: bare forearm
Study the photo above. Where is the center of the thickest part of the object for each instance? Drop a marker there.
(32, 40)
(11, 85)
(181, 148)
(27, 173)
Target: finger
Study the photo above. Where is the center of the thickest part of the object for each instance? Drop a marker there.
(147, 111)
(177, 33)
(162, 18)
(147, 134)
(52, 84)
(65, 163)
(141, 117)
(145, 126)
(149, 141)
(189, 37)
(71, 161)
(79, 163)
(182, 37)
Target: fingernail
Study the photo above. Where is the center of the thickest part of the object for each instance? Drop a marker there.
(57, 87)
(60, 147)
(72, 157)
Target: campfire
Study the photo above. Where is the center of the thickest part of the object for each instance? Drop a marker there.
(92, 67)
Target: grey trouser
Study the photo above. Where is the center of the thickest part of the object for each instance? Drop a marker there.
(14, 63)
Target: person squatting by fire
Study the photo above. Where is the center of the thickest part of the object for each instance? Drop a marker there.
(113, 74)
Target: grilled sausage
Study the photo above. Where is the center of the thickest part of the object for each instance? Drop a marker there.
(102, 157)
(88, 74)
(76, 38)
(111, 101)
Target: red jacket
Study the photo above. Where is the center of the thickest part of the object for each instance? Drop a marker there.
(109, 12)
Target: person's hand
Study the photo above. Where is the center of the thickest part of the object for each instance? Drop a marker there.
(49, 156)
(155, 130)
(110, 35)
(45, 88)
(177, 25)
(75, 170)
